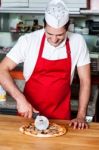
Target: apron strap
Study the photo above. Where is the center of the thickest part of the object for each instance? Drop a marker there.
(41, 46)
(68, 48)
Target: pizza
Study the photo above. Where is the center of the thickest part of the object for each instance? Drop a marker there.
(52, 131)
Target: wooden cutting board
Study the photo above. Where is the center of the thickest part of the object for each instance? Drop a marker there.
(12, 139)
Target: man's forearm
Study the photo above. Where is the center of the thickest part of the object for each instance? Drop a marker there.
(84, 96)
(7, 82)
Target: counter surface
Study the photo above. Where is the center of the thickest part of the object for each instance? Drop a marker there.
(12, 139)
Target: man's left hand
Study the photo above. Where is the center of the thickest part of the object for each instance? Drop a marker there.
(78, 123)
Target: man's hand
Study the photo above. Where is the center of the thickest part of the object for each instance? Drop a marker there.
(78, 123)
(25, 109)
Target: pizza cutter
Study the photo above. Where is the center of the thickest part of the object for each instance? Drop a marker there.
(41, 122)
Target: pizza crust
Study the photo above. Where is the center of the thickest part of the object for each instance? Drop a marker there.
(54, 130)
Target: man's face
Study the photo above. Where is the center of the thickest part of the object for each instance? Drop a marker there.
(55, 36)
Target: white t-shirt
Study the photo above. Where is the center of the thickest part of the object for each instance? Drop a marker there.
(27, 48)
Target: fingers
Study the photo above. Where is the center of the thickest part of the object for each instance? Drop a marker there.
(28, 113)
(78, 124)
(25, 114)
(35, 111)
(25, 109)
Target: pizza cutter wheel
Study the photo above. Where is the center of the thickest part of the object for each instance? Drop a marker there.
(40, 122)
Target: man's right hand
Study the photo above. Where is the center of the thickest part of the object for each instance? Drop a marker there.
(25, 109)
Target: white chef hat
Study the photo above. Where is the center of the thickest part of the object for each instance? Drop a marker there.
(56, 13)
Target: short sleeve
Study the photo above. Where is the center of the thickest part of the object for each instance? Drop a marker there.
(18, 52)
(84, 57)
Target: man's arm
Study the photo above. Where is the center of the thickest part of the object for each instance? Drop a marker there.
(7, 82)
(84, 94)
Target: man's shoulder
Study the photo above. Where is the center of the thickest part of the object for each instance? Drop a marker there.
(75, 36)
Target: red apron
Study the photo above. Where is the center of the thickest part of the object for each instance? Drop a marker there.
(48, 89)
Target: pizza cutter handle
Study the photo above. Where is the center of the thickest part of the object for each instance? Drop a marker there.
(34, 115)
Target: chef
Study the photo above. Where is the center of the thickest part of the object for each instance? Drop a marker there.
(50, 56)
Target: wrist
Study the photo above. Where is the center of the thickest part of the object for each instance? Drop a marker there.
(18, 96)
(81, 114)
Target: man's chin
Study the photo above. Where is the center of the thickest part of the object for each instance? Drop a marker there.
(55, 45)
